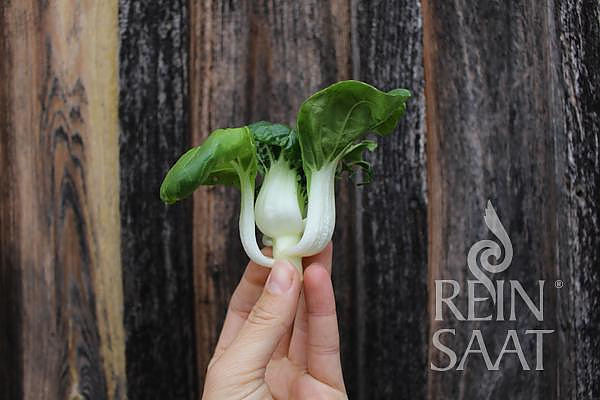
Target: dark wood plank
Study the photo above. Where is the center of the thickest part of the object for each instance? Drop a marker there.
(218, 55)
(252, 61)
(60, 223)
(512, 118)
(578, 310)
(392, 220)
(11, 306)
(157, 240)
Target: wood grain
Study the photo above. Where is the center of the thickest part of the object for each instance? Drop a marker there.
(157, 240)
(578, 309)
(11, 306)
(106, 304)
(510, 118)
(391, 311)
(252, 61)
(61, 221)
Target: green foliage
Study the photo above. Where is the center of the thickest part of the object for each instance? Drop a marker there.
(212, 163)
(273, 140)
(353, 159)
(333, 119)
(327, 140)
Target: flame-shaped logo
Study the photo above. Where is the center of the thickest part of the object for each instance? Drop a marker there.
(485, 249)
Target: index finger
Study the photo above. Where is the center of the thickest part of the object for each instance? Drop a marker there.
(243, 299)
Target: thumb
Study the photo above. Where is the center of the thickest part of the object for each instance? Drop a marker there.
(269, 320)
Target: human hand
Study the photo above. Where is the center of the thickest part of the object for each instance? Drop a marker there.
(277, 342)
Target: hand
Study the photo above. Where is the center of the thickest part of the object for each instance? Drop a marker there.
(277, 342)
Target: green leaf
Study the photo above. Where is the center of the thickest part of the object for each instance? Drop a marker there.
(211, 163)
(273, 134)
(353, 160)
(272, 140)
(333, 119)
(355, 152)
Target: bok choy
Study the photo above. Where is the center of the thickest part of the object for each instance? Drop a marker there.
(295, 206)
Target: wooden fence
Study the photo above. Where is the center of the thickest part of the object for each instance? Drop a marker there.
(108, 294)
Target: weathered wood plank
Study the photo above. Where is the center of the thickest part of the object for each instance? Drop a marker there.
(252, 61)
(491, 136)
(392, 221)
(60, 224)
(157, 240)
(218, 53)
(11, 306)
(506, 122)
(578, 309)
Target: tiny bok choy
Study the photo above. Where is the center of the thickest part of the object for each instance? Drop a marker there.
(295, 206)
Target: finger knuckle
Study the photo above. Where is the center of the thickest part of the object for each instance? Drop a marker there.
(262, 315)
(325, 348)
(238, 309)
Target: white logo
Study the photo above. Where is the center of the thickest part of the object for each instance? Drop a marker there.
(494, 258)
(488, 249)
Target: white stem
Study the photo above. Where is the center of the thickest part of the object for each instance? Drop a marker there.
(280, 247)
(320, 215)
(277, 211)
(247, 226)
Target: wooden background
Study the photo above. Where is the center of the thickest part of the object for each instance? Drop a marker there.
(105, 293)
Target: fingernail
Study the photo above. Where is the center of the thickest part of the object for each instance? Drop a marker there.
(280, 278)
